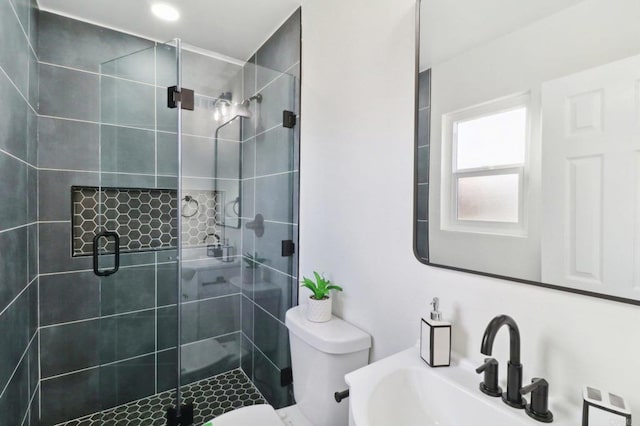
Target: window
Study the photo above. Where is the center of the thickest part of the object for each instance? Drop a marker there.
(484, 167)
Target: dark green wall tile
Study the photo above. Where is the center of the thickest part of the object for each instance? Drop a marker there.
(81, 45)
(69, 347)
(68, 93)
(69, 297)
(70, 396)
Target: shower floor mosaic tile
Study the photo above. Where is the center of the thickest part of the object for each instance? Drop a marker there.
(211, 398)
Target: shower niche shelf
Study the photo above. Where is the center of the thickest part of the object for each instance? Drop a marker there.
(144, 218)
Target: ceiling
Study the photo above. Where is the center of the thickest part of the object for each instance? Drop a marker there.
(233, 28)
(451, 27)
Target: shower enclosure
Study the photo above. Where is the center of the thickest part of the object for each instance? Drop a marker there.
(192, 230)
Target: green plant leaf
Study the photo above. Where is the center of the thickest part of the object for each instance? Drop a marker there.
(308, 282)
(312, 288)
(320, 287)
(318, 278)
(253, 261)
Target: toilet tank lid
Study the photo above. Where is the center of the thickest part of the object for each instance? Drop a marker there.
(335, 336)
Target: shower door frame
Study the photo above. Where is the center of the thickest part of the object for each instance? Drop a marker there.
(179, 408)
(178, 414)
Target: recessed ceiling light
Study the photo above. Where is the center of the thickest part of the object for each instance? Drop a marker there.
(165, 11)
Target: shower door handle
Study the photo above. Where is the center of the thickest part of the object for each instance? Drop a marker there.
(116, 265)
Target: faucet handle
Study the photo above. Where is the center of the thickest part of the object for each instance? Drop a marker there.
(539, 407)
(490, 383)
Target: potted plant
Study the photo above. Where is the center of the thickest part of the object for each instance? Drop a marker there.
(251, 264)
(319, 305)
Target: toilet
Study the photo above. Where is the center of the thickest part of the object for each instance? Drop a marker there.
(321, 354)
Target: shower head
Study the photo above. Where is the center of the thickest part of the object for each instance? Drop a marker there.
(225, 110)
(240, 110)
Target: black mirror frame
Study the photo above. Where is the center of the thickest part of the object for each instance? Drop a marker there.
(417, 224)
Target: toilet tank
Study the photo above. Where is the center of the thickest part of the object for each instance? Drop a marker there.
(321, 354)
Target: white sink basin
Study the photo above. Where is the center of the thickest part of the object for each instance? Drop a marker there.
(403, 390)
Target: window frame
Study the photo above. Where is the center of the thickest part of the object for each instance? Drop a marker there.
(451, 174)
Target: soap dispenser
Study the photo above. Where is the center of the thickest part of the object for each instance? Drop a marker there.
(435, 338)
(228, 252)
(602, 408)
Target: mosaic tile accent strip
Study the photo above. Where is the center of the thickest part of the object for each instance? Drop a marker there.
(211, 397)
(143, 218)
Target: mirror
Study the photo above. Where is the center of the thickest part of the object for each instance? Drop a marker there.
(528, 142)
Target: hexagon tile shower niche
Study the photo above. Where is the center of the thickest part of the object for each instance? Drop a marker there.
(145, 219)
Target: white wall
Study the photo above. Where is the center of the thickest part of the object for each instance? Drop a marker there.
(357, 224)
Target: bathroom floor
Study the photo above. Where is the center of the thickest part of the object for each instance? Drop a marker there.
(212, 397)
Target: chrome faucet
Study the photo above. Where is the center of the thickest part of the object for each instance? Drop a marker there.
(512, 396)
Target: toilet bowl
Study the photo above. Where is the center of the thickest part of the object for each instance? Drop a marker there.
(254, 415)
(321, 354)
(261, 415)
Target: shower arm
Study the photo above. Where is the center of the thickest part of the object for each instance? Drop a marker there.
(257, 97)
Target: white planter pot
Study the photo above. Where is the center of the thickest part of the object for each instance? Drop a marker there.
(266, 274)
(319, 310)
(247, 275)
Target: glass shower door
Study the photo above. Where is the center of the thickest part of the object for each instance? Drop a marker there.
(136, 244)
(270, 229)
(239, 176)
(225, 205)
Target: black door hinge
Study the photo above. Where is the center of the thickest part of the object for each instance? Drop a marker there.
(288, 119)
(288, 248)
(286, 376)
(185, 96)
